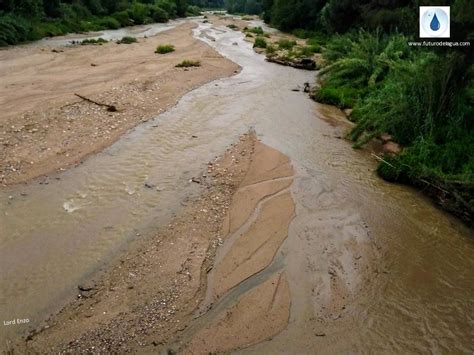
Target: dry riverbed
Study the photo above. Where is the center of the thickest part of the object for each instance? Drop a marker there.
(44, 127)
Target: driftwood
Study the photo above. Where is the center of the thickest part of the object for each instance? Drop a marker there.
(110, 108)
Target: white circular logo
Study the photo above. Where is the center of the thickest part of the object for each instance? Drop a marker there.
(435, 22)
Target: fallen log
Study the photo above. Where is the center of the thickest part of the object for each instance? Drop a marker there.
(304, 63)
(110, 108)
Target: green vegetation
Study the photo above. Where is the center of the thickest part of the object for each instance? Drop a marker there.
(127, 40)
(164, 48)
(188, 63)
(28, 20)
(98, 41)
(260, 42)
(422, 96)
(257, 30)
(286, 44)
(233, 27)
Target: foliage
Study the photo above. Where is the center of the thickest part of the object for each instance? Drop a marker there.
(27, 20)
(127, 40)
(257, 30)
(98, 41)
(188, 63)
(284, 43)
(164, 48)
(260, 42)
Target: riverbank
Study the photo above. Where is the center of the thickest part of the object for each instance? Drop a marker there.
(45, 128)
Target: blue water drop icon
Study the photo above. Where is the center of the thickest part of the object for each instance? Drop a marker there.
(434, 24)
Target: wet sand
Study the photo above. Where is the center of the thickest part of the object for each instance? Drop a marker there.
(45, 128)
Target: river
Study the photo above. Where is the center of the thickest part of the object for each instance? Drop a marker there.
(59, 230)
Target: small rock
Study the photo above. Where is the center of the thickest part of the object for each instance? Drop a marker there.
(148, 185)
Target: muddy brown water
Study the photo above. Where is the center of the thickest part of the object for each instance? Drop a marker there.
(57, 231)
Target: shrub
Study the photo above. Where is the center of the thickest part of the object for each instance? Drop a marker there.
(271, 49)
(123, 18)
(108, 22)
(193, 10)
(94, 41)
(158, 14)
(233, 27)
(260, 42)
(340, 96)
(257, 30)
(286, 44)
(188, 63)
(164, 48)
(138, 13)
(127, 40)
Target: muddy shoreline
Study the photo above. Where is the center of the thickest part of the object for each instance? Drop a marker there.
(45, 127)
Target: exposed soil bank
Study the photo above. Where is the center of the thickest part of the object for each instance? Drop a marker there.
(44, 127)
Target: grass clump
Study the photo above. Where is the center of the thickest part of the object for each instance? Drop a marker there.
(233, 27)
(256, 30)
(187, 63)
(127, 40)
(271, 50)
(286, 44)
(260, 42)
(164, 48)
(94, 41)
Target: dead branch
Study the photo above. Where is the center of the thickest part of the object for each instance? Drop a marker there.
(110, 108)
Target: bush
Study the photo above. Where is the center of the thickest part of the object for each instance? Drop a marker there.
(286, 44)
(260, 42)
(257, 30)
(138, 13)
(123, 18)
(108, 22)
(188, 63)
(158, 14)
(164, 48)
(271, 50)
(233, 27)
(94, 41)
(127, 40)
(15, 29)
(340, 96)
(193, 10)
